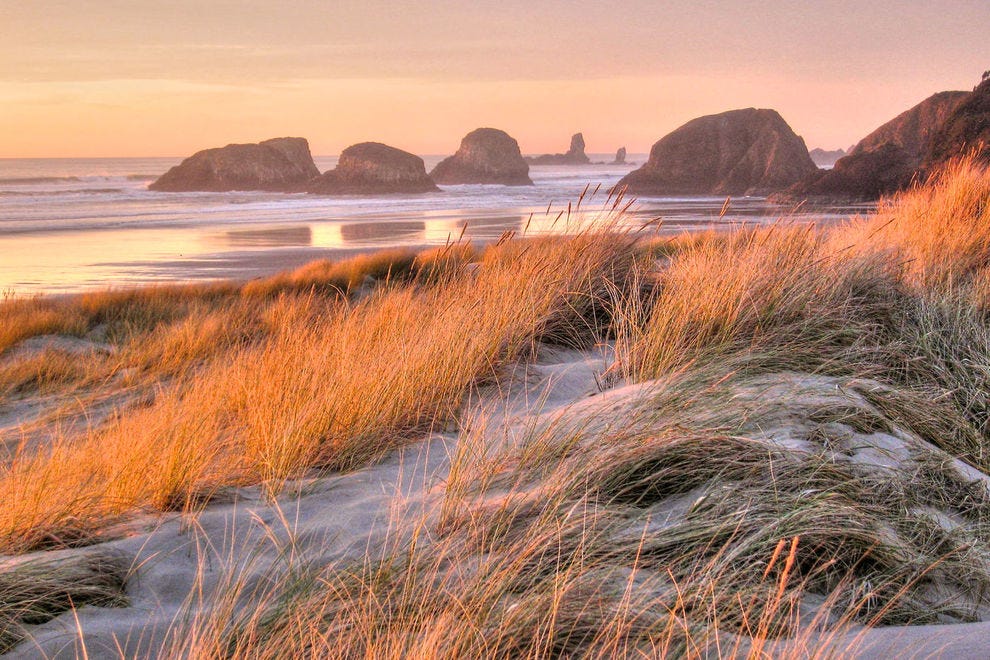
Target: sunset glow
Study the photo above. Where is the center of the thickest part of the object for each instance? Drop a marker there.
(124, 79)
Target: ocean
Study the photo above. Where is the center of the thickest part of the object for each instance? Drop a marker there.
(68, 225)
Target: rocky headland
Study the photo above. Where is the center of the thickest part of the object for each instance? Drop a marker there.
(885, 161)
(965, 129)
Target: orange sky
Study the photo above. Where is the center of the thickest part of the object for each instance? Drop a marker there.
(116, 78)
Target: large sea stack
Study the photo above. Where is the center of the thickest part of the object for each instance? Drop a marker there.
(280, 165)
(740, 152)
(486, 155)
(575, 154)
(886, 160)
(372, 168)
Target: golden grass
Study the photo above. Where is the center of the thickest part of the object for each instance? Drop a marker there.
(562, 544)
(581, 551)
(939, 232)
(332, 385)
(764, 290)
(38, 590)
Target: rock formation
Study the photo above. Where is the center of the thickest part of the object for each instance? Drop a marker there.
(886, 160)
(281, 164)
(824, 158)
(738, 152)
(863, 176)
(965, 130)
(912, 129)
(372, 168)
(575, 154)
(486, 155)
(620, 156)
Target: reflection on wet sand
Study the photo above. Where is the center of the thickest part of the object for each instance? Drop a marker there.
(264, 237)
(376, 232)
(73, 260)
(428, 231)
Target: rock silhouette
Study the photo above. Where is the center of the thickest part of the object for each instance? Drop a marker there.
(280, 164)
(826, 158)
(372, 168)
(740, 152)
(486, 155)
(885, 161)
(965, 130)
(575, 154)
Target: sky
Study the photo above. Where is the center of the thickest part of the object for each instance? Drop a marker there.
(91, 78)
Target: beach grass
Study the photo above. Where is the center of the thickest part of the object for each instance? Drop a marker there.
(327, 384)
(796, 444)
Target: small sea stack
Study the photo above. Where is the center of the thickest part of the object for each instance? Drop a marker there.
(372, 168)
(486, 155)
(620, 156)
(277, 165)
(575, 155)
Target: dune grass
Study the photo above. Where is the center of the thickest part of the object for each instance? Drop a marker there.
(896, 296)
(332, 385)
(159, 331)
(794, 456)
(661, 535)
(38, 590)
(792, 471)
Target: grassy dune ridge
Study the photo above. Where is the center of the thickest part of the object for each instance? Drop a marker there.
(796, 444)
(308, 381)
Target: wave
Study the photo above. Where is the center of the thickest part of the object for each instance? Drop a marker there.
(60, 193)
(93, 178)
(27, 180)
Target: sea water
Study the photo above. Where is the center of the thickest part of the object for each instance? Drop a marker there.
(68, 225)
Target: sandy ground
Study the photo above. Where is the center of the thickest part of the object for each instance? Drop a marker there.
(342, 516)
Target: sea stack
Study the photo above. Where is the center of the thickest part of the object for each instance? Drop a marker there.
(372, 168)
(279, 165)
(825, 157)
(740, 152)
(575, 154)
(886, 160)
(620, 156)
(486, 155)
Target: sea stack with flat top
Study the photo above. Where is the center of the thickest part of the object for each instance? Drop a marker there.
(486, 155)
(372, 168)
(277, 165)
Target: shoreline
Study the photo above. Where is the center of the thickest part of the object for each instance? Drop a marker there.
(59, 261)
